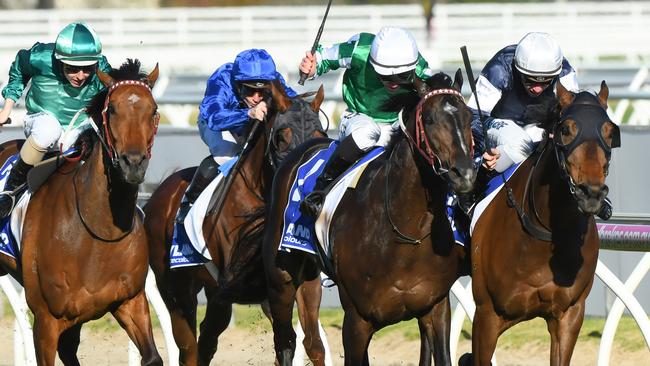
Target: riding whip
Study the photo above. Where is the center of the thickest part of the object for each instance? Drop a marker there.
(472, 85)
(304, 76)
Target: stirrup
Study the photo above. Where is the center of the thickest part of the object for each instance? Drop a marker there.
(312, 204)
(12, 196)
(182, 212)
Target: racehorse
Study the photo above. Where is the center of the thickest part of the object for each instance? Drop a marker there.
(84, 247)
(233, 237)
(395, 220)
(535, 248)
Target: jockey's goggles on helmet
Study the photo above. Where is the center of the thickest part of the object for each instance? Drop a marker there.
(404, 78)
(248, 88)
(530, 80)
(73, 69)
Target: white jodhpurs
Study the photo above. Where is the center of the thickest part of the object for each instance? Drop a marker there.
(515, 143)
(46, 132)
(365, 132)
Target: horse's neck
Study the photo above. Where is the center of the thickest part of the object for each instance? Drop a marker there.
(411, 185)
(100, 191)
(549, 193)
(253, 168)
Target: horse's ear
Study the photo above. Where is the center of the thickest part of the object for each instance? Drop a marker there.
(318, 99)
(153, 76)
(280, 99)
(458, 80)
(421, 87)
(565, 97)
(106, 79)
(603, 94)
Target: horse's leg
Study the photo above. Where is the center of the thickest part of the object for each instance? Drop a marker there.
(133, 316)
(436, 327)
(486, 328)
(564, 334)
(216, 320)
(282, 294)
(308, 298)
(69, 344)
(47, 330)
(356, 333)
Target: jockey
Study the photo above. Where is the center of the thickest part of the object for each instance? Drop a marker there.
(516, 77)
(378, 67)
(63, 81)
(236, 93)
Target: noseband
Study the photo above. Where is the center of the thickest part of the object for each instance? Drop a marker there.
(106, 139)
(420, 133)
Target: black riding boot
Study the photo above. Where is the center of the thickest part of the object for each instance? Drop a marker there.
(606, 210)
(17, 177)
(342, 158)
(205, 173)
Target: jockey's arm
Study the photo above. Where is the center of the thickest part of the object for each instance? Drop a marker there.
(223, 112)
(336, 56)
(19, 74)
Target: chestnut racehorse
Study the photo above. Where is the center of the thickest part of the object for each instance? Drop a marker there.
(233, 238)
(393, 255)
(84, 247)
(535, 248)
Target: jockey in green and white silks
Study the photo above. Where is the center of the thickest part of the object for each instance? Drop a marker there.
(63, 81)
(377, 68)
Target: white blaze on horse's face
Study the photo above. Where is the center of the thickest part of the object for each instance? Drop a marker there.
(448, 108)
(133, 98)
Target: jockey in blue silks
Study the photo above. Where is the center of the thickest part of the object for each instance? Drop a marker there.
(236, 93)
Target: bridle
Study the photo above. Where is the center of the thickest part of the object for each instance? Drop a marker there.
(420, 142)
(105, 137)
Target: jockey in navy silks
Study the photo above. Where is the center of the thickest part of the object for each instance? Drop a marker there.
(235, 94)
(63, 81)
(516, 77)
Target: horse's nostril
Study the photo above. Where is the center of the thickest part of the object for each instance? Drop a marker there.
(133, 159)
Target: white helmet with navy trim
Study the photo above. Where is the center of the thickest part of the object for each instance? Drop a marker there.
(538, 54)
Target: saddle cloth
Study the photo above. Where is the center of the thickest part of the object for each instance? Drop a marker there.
(188, 244)
(300, 231)
(461, 226)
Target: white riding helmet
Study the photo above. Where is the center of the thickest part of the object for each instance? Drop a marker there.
(537, 54)
(393, 51)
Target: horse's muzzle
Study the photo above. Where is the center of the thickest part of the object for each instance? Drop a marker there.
(590, 198)
(462, 179)
(134, 166)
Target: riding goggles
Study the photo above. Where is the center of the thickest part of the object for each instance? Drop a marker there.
(250, 88)
(530, 80)
(404, 78)
(73, 69)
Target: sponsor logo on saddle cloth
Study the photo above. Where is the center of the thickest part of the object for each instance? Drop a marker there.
(188, 244)
(462, 232)
(300, 231)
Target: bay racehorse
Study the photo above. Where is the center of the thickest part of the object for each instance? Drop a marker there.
(393, 256)
(535, 248)
(233, 238)
(84, 247)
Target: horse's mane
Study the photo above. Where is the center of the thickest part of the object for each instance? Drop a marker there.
(129, 70)
(410, 99)
(545, 113)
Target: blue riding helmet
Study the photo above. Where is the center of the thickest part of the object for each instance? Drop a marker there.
(253, 65)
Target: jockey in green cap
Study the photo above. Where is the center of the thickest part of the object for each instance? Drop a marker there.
(63, 81)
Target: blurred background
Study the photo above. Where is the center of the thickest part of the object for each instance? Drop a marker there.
(189, 39)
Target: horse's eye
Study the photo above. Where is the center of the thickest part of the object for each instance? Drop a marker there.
(565, 130)
(111, 109)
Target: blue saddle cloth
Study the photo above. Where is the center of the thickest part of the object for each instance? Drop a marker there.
(459, 221)
(182, 253)
(298, 230)
(8, 244)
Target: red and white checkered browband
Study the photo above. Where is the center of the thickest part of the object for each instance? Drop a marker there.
(129, 82)
(442, 91)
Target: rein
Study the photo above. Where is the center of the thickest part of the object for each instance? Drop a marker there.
(105, 138)
(420, 135)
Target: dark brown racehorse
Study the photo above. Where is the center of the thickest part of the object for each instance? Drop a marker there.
(394, 256)
(233, 239)
(84, 247)
(545, 268)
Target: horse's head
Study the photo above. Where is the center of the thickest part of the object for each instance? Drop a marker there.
(129, 119)
(295, 121)
(442, 130)
(584, 138)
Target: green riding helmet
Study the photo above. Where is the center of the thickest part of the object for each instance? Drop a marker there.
(78, 45)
